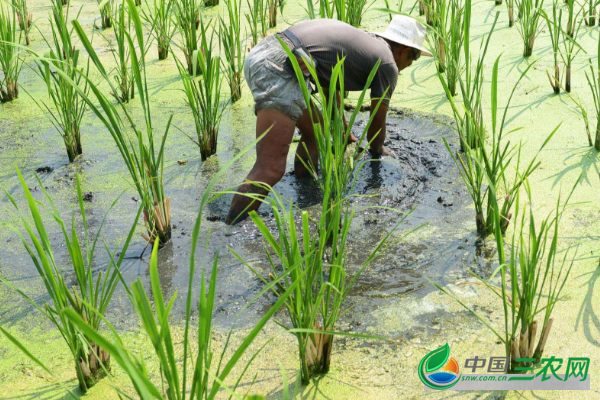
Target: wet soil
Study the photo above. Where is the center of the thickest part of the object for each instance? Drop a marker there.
(420, 177)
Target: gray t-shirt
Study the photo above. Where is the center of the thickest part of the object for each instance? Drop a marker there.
(329, 40)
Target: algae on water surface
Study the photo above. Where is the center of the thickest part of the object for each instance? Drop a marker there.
(393, 300)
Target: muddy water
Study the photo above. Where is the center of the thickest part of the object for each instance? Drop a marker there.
(421, 176)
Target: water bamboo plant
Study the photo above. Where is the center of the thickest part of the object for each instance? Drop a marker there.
(593, 79)
(438, 27)
(89, 299)
(480, 164)
(160, 17)
(106, 11)
(531, 281)
(351, 11)
(200, 372)
(431, 10)
(555, 31)
(570, 49)
(203, 96)
(187, 15)
(122, 72)
(144, 156)
(571, 16)
(319, 273)
(529, 23)
(389, 9)
(326, 9)
(510, 5)
(257, 20)
(469, 118)
(24, 17)
(272, 8)
(447, 38)
(589, 14)
(230, 40)
(68, 105)
(11, 62)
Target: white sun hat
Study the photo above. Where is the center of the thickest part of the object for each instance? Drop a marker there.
(407, 31)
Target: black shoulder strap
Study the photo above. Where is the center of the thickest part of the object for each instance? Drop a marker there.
(293, 38)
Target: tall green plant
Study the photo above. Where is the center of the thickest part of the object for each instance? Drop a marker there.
(143, 156)
(326, 9)
(590, 12)
(351, 11)
(106, 12)
(89, 299)
(389, 9)
(203, 96)
(568, 52)
(432, 8)
(571, 17)
(318, 283)
(257, 20)
(447, 38)
(532, 278)
(24, 17)
(200, 372)
(439, 26)
(187, 15)
(11, 62)
(231, 45)
(272, 8)
(68, 106)
(480, 164)
(469, 117)
(556, 33)
(530, 12)
(510, 5)
(160, 17)
(122, 72)
(593, 79)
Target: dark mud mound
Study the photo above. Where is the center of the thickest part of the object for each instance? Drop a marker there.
(420, 178)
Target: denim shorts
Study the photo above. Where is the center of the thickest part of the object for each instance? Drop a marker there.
(272, 81)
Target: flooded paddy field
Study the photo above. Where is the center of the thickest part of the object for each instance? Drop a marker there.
(420, 177)
(393, 298)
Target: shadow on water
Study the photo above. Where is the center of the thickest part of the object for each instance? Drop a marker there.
(47, 392)
(421, 176)
(586, 317)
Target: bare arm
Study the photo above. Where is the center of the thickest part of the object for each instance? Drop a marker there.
(377, 130)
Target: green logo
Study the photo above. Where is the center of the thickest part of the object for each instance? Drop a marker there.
(434, 361)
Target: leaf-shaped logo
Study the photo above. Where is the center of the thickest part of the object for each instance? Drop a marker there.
(437, 358)
(434, 361)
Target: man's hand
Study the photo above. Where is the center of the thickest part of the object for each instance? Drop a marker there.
(303, 66)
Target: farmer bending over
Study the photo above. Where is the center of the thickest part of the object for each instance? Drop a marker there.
(280, 103)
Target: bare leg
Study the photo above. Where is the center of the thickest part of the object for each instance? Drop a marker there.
(269, 167)
(307, 141)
